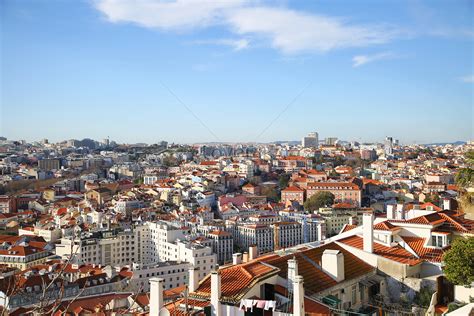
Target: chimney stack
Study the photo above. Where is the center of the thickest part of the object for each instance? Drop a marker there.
(156, 296)
(400, 212)
(253, 252)
(298, 296)
(292, 273)
(333, 264)
(447, 204)
(215, 292)
(245, 257)
(193, 279)
(352, 220)
(237, 258)
(390, 211)
(368, 231)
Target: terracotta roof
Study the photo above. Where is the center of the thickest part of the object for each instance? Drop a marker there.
(316, 279)
(425, 253)
(311, 307)
(208, 163)
(220, 233)
(293, 189)
(386, 226)
(333, 185)
(347, 228)
(343, 205)
(175, 308)
(396, 253)
(236, 280)
(174, 292)
(90, 304)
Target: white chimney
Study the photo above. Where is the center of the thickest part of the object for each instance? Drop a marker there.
(352, 220)
(298, 296)
(292, 272)
(156, 296)
(245, 257)
(368, 231)
(320, 231)
(237, 258)
(253, 252)
(215, 292)
(400, 213)
(333, 264)
(193, 278)
(447, 204)
(390, 211)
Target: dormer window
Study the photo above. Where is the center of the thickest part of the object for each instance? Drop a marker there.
(440, 240)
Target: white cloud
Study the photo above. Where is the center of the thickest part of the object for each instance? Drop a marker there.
(360, 60)
(294, 32)
(286, 30)
(236, 44)
(167, 15)
(468, 79)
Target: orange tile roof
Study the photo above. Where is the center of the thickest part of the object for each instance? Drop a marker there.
(425, 253)
(316, 279)
(175, 308)
(333, 185)
(292, 189)
(343, 205)
(220, 233)
(347, 228)
(386, 226)
(236, 280)
(396, 253)
(311, 307)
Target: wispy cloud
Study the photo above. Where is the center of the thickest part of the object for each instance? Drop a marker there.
(289, 31)
(468, 79)
(361, 60)
(236, 44)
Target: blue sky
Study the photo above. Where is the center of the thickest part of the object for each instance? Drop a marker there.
(194, 71)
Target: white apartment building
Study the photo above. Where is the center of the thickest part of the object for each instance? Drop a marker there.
(277, 235)
(104, 247)
(173, 273)
(248, 234)
(148, 244)
(172, 243)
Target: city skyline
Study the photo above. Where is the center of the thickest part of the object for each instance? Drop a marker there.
(219, 72)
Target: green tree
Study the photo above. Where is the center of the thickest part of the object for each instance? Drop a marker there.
(283, 180)
(465, 176)
(459, 263)
(423, 298)
(432, 198)
(318, 200)
(271, 193)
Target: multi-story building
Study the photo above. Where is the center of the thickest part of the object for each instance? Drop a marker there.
(248, 234)
(5, 204)
(169, 242)
(173, 273)
(276, 235)
(336, 220)
(222, 245)
(110, 247)
(287, 234)
(292, 193)
(344, 192)
(331, 141)
(292, 163)
(49, 164)
(310, 141)
(22, 252)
